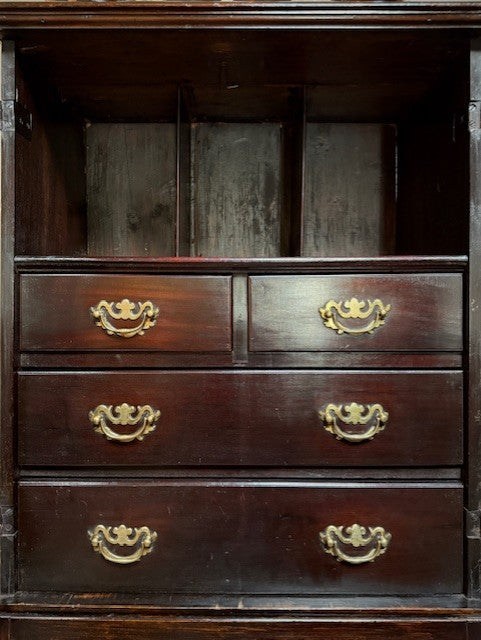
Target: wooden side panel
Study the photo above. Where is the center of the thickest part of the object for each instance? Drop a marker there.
(239, 419)
(7, 318)
(50, 176)
(249, 537)
(473, 310)
(349, 190)
(433, 184)
(201, 629)
(236, 189)
(131, 189)
(194, 313)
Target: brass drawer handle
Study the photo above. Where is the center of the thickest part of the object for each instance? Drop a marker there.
(333, 313)
(354, 414)
(357, 537)
(122, 536)
(104, 312)
(125, 415)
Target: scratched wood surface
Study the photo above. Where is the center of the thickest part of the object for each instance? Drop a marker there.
(236, 203)
(131, 174)
(349, 195)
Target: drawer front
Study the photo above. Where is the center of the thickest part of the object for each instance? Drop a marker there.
(278, 418)
(149, 313)
(240, 537)
(195, 629)
(356, 313)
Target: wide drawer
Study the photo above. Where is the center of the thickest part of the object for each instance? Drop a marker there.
(241, 537)
(117, 312)
(418, 312)
(242, 629)
(232, 418)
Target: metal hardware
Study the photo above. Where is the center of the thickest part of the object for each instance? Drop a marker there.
(7, 115)
(7, 527)
(23, 121)
(354, 414)
(125, 415)
(473, 524)
(125, 310)
(474, 116)
(122, 536)
(355, 536)
(332, 313)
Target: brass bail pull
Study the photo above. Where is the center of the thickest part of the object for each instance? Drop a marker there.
(143, 314)
(362, 316)
(337, 539)
(122, 536)
(352, 414)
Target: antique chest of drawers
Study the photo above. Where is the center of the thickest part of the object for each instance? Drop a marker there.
(241, 320)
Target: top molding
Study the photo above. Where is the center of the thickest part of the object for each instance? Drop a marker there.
(158, 14)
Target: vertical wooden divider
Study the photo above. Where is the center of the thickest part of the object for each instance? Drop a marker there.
(183, 170)
(473, 312)
(293, 156)
(7, 325)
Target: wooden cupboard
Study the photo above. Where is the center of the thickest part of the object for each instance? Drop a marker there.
(241, 314)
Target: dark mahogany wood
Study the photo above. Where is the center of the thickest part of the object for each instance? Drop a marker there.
(425, 312)
(211, 15)
(241, 537)
(7, 314)
(473, 576)
(50, 176)
(339, 67)
(195, 312)
(377, 264)
(239, 476)
(240, 419)
(205, 629)
(453, 607)
(311, 359)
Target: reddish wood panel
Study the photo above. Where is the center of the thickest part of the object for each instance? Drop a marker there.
(201, 629)
(261, 360)
(249, 537)
(243, 73)
(425, 312)
(194, 312)
(50, 177)
(240, 418)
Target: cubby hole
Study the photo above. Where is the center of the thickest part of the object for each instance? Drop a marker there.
(243, 144)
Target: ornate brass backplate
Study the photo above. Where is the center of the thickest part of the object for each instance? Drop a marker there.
(354, 414)
(144, 417)
(122, 536)
(334, 313)
(333, 538)
(104, 313)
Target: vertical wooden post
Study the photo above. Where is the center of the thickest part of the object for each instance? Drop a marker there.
(473, 456)
(7, 301)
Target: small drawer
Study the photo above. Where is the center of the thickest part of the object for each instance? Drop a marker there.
(242, 629)
(419, 312)
(127, 313)
(233, 537)
(234, 418)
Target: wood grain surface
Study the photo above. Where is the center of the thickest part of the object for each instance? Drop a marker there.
(194, 312)
(240, 537)
(228, 418)
(426, 312)
(131, 202)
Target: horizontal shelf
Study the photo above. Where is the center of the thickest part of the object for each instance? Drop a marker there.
(456, 605)
(391, 264)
